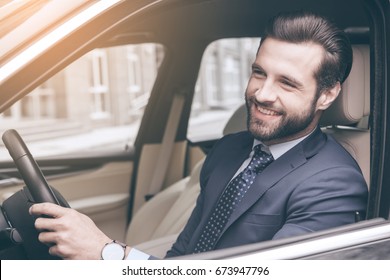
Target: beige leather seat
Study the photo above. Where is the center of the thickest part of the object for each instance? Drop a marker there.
(163, 217)
(347, 118)
(156, 225)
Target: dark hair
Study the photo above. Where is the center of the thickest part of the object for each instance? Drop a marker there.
(301, 27)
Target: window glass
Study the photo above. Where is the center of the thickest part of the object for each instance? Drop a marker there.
(95, 103)
(220, 89)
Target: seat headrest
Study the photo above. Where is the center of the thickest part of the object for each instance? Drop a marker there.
(353, 102)
(237, 122)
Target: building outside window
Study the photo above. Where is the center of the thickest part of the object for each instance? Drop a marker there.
(220, 89)
(99, 85)
(38, 105)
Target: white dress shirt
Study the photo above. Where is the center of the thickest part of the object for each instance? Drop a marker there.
(276, 150)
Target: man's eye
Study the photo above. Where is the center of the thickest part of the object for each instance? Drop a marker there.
(288, 84)
(258, 72)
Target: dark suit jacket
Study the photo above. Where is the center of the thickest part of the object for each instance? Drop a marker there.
(314, 186)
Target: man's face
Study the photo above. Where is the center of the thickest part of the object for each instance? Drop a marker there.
(281, 93)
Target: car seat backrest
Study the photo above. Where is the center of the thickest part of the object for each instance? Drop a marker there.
(164, 216)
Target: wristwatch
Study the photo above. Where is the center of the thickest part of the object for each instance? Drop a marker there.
(114, 250)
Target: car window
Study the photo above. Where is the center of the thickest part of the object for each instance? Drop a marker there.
(95, 103)
(220, 88)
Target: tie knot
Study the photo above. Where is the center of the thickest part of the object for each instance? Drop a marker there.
(261, 159)
(260, 149)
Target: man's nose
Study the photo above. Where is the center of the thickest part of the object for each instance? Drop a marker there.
(266, 93)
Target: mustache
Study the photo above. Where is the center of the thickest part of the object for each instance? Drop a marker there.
(252, 100)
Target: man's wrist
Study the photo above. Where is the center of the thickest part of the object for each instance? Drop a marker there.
(135, 254)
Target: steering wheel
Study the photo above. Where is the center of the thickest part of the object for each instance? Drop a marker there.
(37, 190)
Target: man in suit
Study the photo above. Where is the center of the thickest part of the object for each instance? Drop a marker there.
(283, 177)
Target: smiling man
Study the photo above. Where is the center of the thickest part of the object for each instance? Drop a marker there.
(283, 177)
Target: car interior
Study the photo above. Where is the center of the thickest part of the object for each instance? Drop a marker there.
(116, 189)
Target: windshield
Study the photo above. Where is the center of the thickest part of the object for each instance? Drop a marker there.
(23, 22)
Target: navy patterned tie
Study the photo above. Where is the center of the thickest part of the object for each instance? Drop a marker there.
(231, 197)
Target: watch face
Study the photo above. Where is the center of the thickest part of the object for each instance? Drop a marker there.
(113, 251)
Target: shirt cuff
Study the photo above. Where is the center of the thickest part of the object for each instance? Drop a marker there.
(135, 254)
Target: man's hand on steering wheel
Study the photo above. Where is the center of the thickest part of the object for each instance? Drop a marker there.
(70, 234)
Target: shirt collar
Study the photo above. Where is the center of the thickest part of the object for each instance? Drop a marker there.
(278, 150)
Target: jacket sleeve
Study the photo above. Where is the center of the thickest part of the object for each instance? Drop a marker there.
(325, 200)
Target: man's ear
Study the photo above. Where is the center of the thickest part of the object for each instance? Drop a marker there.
(328, 96)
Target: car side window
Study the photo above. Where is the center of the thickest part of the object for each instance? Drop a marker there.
(95, 103)
(221, 84)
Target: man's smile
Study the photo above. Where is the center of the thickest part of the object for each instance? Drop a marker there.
(266, 111)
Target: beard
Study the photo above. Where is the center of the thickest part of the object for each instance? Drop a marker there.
(288, 125)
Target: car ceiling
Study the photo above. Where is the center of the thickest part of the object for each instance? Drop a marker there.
(170, 22)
